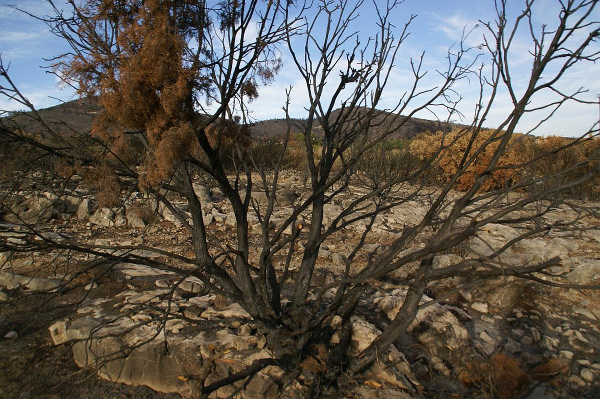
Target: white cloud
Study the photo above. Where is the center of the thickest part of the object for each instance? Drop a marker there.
(456, 26)
(20, 36)
(42, 97)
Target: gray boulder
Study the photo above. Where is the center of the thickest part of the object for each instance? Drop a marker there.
(585, 273)
(103, 217)
(84, 210)
(35, 209)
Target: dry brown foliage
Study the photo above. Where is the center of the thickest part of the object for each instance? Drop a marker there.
(148, 65)
(564, 160)
(455, 144)
(500, 376)
(524, 156)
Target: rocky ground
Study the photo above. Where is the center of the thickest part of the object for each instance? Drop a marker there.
(497, 338)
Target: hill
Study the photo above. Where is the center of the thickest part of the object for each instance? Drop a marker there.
(78, 115)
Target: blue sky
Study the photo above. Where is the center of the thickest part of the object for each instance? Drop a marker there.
(25, 42)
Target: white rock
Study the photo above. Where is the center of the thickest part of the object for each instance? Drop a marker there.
(208, 219)
(585, 272)
(363, 334)
(586, 313)
(587, 374)
(103, 217)
(481, 307)
(219, 217)
(11, 335)
(234, 310)
(12, 281)
(566, 354)
(230, 220)
(84, 210)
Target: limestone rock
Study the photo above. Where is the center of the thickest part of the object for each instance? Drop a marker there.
(103, 217)
(264, 384)
(11, 335)
(233, 310)
(169, 216)
(363, 334)
(481, 307)
(147, 365)
(12, 281)
(84, 210)
(443, 326)
(204, 194)
(219, 217)
(587, 374)
(445, 260)
(35, 209)
(585, 273)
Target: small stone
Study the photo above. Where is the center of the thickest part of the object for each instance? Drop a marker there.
(587, 374)
(236, 324)
(595, 365)
(536, 335)
(487, 338)
(3, 296)
(550, 343)
(261, 342)
(481, 307)
(336, 322)
(576, 381)
(468, 296)
(193, 312)
(11, 335)
(324, 253)
(585, 363)
(245, 330)
(488, 344)
(91, 285)
(566, 354)
(439, 366)
(585, 313)
(580, 337)
(162, 283)
(518, 332)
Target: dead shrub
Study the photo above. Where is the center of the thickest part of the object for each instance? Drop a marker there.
(105, 182)
(454, 145)
(385, 165)
(561, 161)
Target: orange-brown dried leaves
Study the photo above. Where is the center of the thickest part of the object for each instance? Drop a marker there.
(225, 133)
(175, 145)
(449, 159)
(142, 82)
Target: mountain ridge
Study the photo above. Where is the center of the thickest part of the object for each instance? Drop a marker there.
(78, 115)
